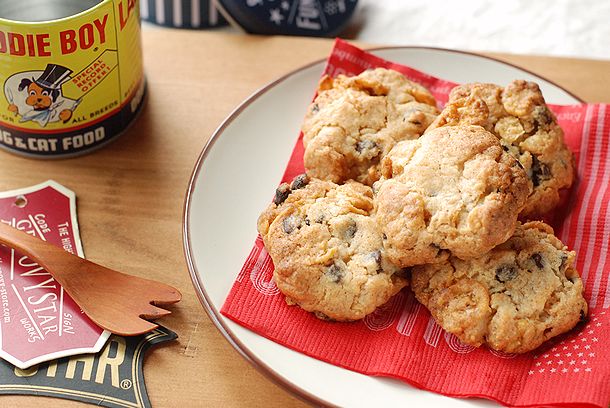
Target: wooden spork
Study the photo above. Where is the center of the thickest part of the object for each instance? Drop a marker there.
(115, 301)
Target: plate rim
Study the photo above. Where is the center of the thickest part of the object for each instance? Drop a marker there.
(197, 283)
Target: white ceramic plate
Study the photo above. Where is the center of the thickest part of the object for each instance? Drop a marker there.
(232, 183)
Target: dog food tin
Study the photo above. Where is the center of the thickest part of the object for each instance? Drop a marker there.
(71, 74)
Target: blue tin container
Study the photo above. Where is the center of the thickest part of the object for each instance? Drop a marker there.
(320, 18)
(192, 14)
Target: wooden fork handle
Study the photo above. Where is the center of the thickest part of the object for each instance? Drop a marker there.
(47, 255)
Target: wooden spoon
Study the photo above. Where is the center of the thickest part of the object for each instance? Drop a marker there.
(115, 301)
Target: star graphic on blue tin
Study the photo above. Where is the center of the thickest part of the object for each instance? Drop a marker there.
(285, 5)
(276, 16)
(331, 8)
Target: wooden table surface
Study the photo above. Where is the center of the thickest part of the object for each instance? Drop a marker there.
(131, 193)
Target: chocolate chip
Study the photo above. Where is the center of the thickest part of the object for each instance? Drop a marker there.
(537, 258)
(564, 259)
(505, 273)
(376, 255)
(322, 316)
(365, 145)
(299, 181)
(281, 194)
(351, 229)
(335, 273)
(542, 115)
(290, 224)
(404, 273)
(307, 222)
(540, 171)
(583, 316)
(315, 108)
(385, 236)
(505, 148)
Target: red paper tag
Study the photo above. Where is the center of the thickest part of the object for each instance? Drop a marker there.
(401, 340)
(39, 321)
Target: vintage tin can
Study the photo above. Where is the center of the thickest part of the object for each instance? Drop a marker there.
(71, 74)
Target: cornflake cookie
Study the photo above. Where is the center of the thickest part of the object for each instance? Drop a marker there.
(527, 128)
(513, 298)
(355, 121)
(327, 249)
(452, 190)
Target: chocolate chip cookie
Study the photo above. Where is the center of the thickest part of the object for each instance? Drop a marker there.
(327, 249)
(513, 298)
(452, 190)
(354, 121)
(520, 118)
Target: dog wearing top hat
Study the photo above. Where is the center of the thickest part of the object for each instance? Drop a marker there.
(44, 100)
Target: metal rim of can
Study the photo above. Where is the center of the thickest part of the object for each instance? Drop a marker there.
(91, 9)
(137, 88)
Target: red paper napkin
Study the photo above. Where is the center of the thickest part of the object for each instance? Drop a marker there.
(401, 340)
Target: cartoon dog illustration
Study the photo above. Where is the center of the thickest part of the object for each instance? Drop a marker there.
(43, 101)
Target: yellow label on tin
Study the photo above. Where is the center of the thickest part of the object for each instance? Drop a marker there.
(74, 82)
(91, 76)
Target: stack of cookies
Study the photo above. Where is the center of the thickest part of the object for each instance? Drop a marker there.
(397, 193)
